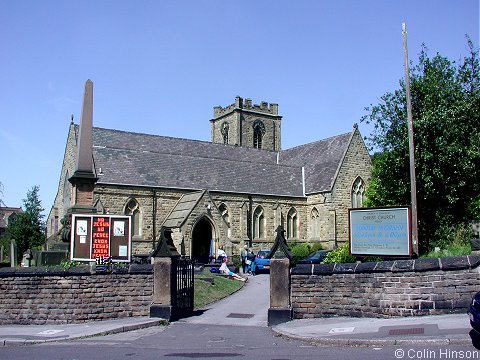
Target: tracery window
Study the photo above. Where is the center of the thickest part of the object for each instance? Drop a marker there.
(133, 209)
(258, 223)
(292, 224)
(358, 193)
(224, 132)
(258, 132)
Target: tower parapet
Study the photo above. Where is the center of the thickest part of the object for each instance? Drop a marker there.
(246, 104)
(246, 124)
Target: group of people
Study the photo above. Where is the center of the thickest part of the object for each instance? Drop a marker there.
(248, 260)
(248, 263)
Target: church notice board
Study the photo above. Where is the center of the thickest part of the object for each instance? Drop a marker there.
(380, 231)
(99, 236)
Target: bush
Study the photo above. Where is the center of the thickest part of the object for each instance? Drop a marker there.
(339, 256)
(299, 251)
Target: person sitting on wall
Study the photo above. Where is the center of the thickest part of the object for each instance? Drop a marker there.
(226, 271)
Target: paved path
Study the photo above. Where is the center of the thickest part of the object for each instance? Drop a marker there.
(247, 307)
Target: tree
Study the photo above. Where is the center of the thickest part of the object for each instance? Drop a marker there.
(28, 227)
(446, 120)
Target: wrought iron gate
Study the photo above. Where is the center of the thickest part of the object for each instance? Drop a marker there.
(182, 284)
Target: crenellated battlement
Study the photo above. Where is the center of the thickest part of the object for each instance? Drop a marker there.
(245, 104)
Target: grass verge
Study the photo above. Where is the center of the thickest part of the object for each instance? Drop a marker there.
(213, 287)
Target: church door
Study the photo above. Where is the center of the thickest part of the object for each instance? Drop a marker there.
(202, 241)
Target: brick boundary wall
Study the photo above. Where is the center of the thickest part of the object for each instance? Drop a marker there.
(385, 289)
(45, 295)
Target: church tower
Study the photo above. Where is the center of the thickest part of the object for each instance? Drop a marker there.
(244, 124)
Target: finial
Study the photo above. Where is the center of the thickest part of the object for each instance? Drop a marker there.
(71, 119)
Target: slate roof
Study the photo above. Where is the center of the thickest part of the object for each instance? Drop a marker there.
(321, 160)
(182, 209)
(137, 159)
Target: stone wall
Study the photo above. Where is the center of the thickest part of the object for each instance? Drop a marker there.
(385, 289)
(357, 163)
(45, 296)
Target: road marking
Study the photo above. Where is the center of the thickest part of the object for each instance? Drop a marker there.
(346, 330)
(50, 332)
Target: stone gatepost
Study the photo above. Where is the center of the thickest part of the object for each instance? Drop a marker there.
(280, 310)
(163, 274)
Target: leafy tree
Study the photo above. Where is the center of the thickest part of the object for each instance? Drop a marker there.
(27, 228)
(446, 121)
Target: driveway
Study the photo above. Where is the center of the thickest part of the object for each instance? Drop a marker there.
(247, 307)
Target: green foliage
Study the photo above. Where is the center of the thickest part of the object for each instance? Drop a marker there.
(27, 228)
(236, 262)
(68, 264)
(339, 256)
(455, 241)
(301, 250)
(446, 115)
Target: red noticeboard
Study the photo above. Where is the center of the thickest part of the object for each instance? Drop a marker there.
(99, 236)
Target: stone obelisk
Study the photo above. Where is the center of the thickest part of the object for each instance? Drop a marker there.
(84, 179)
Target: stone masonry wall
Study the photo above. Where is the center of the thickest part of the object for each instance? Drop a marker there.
(34, 296)
(385, 289)
(357, 162)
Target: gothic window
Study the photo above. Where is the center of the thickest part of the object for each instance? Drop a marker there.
(224, 132)
(258, 223)
(358, 193)
(226, 217)
(292, 224)
(258, 132)
(315, 224)
(133, 209)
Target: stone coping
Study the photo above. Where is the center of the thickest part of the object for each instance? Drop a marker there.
(394, 266)
(82, 270)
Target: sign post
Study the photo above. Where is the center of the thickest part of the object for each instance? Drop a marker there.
(380, 231)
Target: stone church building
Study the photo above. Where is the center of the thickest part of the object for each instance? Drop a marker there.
(232, 191)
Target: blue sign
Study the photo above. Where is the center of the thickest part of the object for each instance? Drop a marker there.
(380, 231)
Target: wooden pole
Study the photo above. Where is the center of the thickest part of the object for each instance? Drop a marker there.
(411, 146)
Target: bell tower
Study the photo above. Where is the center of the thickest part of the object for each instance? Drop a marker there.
(247, 125)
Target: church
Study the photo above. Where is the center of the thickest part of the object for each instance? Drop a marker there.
(234, 190)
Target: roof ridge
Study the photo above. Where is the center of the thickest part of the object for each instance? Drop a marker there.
(317, 141)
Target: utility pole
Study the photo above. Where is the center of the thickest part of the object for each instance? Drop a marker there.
(411, 146)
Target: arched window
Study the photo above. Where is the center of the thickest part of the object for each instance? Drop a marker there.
(224, 132)
(133, 209)
(315, 224)
(292, 224)
(226, 217)
(358, 193)
(258, 131)
(258, 223)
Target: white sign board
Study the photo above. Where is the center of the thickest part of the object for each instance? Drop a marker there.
(380, 231)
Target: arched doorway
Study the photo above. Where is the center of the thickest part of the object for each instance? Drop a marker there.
(202, 241)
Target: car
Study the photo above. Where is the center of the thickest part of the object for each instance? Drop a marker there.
(262, 263)
(314, 258)
(474, 312)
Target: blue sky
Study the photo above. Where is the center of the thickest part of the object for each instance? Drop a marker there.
(159, 67)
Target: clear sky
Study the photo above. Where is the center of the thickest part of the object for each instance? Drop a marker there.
(159, 67)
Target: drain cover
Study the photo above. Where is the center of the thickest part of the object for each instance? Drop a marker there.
(411, 331)
(240, 316)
